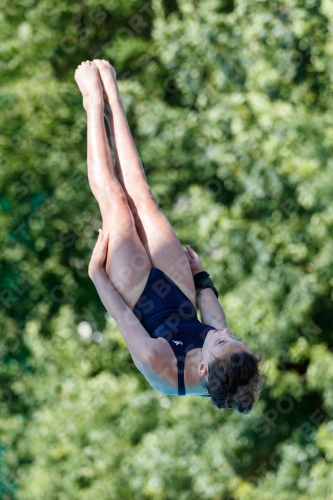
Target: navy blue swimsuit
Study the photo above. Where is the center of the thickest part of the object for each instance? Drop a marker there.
(165, 311)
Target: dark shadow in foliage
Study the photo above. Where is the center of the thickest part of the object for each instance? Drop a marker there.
(278, 423)
(320, 328)
(170, 6)
(303, 68)
(94, 30)
(226, 7)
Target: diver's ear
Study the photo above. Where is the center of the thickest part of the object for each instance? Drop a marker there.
(202, 369)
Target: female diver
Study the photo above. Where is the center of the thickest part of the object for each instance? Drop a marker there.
(147, 282)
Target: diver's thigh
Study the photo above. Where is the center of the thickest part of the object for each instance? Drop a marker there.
(164, 248)
(127, 263)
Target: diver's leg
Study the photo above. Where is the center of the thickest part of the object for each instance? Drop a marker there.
(156, 233)
(127, 264)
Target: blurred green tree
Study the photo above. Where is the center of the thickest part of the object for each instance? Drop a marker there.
(230, 105)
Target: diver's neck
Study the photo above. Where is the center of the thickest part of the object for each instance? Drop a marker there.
(192, 377)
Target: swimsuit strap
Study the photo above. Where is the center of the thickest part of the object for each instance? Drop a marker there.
(181, 381)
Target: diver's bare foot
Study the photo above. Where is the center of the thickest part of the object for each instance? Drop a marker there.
(89, 83)
(109, 80)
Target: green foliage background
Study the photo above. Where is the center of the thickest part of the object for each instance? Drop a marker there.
(230, 104)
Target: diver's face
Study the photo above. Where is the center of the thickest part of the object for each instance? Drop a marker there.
(219, 343)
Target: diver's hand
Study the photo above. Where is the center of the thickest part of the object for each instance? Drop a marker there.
(99, 254)
(194, 260)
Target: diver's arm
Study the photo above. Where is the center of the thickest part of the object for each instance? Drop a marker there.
(142, 346)
(211, 310)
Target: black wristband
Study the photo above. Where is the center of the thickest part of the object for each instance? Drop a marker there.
(200, 275)
(207, 285)
(202, 280)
